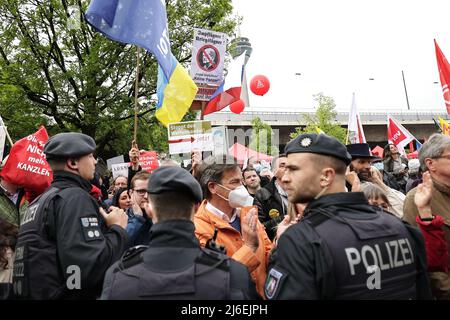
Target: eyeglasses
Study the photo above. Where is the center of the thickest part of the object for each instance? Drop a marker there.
(141, 192)
(443, 157)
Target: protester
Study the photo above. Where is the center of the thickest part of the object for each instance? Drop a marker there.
(388, 178)
(8, 238)
(272, 199)
(134, 167)
(376, 196)
(122, 200)
(361, 165)
(227, 217)
(251, 180)
(431, 227)
(139, 204)
(118, 182)
(61, 233)
(174, 266)
(328, 255)
(414, 174)
(395, 164)
(434, 157)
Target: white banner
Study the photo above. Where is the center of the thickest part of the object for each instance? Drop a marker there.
(208, 54)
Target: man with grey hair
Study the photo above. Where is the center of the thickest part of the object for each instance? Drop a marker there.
(434, 157)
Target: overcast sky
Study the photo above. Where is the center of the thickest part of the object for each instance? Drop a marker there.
(337, 45)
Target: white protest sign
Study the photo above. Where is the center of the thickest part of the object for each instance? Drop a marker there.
(120, 169)
(208, 54)
(115, 160)
(220, 140)
(185, 136)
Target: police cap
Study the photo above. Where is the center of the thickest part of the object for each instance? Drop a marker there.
(320, 144)
(175, 179)
(69, 145)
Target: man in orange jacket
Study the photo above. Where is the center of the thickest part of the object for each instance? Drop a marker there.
(228, 210)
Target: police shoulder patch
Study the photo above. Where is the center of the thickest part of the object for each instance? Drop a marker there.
(91, 229)
(272, 282)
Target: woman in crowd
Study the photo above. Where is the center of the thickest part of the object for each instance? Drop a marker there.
(122, 200)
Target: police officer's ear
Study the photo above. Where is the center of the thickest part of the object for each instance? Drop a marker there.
(72, 164)
(327, 177)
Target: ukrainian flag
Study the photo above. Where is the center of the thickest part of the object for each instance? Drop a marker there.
(144, 23)
(175, 95)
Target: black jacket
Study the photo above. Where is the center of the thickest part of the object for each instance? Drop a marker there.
(93, 252)
(172, 247)
(304, 264)
(270, 207)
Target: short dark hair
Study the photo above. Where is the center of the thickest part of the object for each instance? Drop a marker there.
(274, 160)
(167, 209)
(322, 161)
(248, 169)
(214, 172)
(141, 175)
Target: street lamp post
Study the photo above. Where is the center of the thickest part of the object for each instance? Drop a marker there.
(406, 92)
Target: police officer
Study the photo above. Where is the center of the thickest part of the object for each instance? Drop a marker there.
(174, 266)
(63, 249)
(342, 248)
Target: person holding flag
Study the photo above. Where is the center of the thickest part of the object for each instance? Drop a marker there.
(144, 23)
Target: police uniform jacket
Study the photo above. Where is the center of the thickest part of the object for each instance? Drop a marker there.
(73, 225)
(172, 247)
(323, 258)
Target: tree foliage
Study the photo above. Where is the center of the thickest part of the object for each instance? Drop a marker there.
(57, 71)
(262, 138)
(324, 119)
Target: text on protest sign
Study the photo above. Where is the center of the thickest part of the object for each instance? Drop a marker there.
(185, 136)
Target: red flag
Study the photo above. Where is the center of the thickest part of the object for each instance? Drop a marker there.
(26, 165)
(444, 75)
(397, 134)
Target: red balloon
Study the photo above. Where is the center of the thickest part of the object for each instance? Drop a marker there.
(237, 106)
(259, 85)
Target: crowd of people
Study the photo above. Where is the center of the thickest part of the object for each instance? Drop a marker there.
(321, 221)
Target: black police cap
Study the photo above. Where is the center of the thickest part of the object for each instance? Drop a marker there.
(320, 144)
(176, 179)
(69, 145)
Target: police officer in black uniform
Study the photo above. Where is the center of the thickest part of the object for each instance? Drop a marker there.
(174, 266)
(342, 248)
(63, 248)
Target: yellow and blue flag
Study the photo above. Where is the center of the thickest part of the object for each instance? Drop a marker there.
(144, 23)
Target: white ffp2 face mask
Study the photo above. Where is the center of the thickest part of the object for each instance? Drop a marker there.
(238, 197)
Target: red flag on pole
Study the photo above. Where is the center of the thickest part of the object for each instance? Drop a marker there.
(444, 75)
(26, 165)
(398, 135)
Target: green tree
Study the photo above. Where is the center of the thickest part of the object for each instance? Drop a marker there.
(324, 119)
(55, 70)
(262, 138)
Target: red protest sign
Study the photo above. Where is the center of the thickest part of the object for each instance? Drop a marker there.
(26, 165)
(148, 160)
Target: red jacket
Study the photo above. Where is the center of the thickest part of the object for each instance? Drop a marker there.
(435, 244)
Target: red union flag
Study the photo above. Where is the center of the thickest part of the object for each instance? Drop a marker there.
(397, 134)
(26, 165)
(444, 75)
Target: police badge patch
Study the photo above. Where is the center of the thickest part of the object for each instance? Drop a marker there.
(91, 229)
(272, 283)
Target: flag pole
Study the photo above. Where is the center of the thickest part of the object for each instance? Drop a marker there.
(203, 109)
(136, 88)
